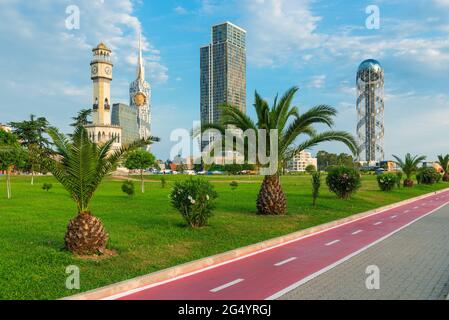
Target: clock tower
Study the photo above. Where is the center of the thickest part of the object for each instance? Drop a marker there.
(101, 75)
(101, 130)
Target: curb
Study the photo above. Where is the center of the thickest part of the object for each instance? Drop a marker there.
(196, 266)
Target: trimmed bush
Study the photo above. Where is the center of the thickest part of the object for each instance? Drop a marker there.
(128, 187)
(194, 199)
(387, 181)
(428, 175)
(234, 185)
(343, 181)
(47, 186)
(163, 182)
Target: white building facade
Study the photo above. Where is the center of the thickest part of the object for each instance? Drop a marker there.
(300, 162)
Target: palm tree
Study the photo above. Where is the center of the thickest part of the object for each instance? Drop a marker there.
(80, 165)
(443, 161)
(290, 125)
(409, 166)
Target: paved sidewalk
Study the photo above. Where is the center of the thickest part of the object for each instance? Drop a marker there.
(413, 263)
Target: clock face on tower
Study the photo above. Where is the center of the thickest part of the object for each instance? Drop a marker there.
(107, 70)
(94, 70)
(139, 99)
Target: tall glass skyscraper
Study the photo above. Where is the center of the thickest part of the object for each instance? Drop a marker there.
(126, 117)
(223, 72)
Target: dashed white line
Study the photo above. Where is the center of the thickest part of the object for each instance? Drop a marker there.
(417, 207)
(332, 242)
(394, 216)
(226, 285)
(406, 211)
(280, 263)
(356, 232)
(377, 223)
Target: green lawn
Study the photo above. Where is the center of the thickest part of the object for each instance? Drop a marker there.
(146, 232)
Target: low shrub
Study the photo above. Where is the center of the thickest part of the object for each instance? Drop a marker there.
(387, 181)
(428, 175)
(194, 199)
(128, 187)
(234, 185)
(343, 181)
(47, 186)
(163, 182)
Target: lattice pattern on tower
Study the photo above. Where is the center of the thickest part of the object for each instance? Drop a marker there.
(370, 111)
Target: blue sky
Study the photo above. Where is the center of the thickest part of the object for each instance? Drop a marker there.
(316, 45)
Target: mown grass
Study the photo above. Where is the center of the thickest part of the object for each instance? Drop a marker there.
(146, 232)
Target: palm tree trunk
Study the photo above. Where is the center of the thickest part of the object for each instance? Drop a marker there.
(142, 185)
(86, 235)
(32, 177)
(271, 199)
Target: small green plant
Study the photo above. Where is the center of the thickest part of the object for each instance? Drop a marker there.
(428, 175)
(398, 179)
(163, 182)
(128, 187)
(234, 185)
(316, 184)
(194, 199)
(387, 181)
(47, 186)
(343, 181)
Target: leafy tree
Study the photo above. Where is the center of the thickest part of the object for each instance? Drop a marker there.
(12, 155)
(443, 161)
(31, 135)
(409, 166)
(290, 124)
(140, 160)
(82, 118)
(80, 165)
(326, 160)
(310, 169)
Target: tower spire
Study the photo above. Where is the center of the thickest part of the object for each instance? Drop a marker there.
(140, 66)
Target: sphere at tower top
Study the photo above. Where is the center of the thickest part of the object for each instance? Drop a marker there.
(370, 70)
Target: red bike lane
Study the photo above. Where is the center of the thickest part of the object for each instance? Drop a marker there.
(271, 273)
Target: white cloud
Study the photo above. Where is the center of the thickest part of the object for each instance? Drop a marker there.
(442, 2)
(317, 81)
(282, 32)
(181, 10)
(278, 29)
